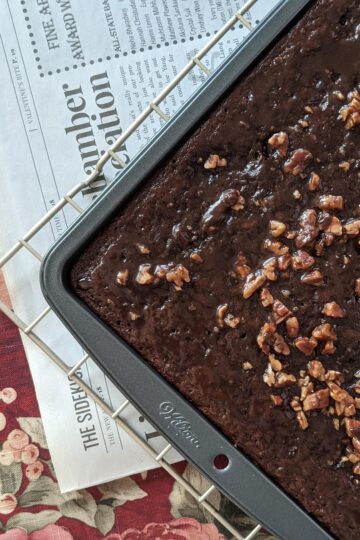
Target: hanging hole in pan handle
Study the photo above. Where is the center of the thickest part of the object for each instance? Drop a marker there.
(221, 462)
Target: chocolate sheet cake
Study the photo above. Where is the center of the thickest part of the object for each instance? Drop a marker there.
(235, 270)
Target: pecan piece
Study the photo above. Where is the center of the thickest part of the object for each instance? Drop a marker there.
(241, 267)
(220, 314)
(213, 161)
(324, 332)
(281, 312)
(309, 228)
(266, 298)
(295, 404)
(247, 366)
(253, 282)
(329, 347)
(302, 260)
(280, 345)
(335, 226)
(292, 327)
(352, 228)
(298, 161)
(284, 261)
(314, 278)
(144, 277)
(178, 275)
(231, 321)
(305, 345)
(275, 363)
(280, 141)
(269, 268)
(331, 202)
(357, 287)
(317, 400)
(195, 256)
(277, 248)
(284, 379)
(265, 337)
(314, 182)
(122, 277)
(332, 309)
(277, 400)
(142, 249)
(352, 427)
(277, 228)
(301, 418)
(269, 376)
(316, 370)
(350, 113)
(240, 204)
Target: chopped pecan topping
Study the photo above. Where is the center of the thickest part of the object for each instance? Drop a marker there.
(352, 228)
(241, 267)
(240, 204)
(277, 228)
(266, 298)
(292, 327)
(314, 278)
(309, 109)
(275, 363)
(357, 287)
(247, 366)
(303, 123)
(232, 321)
(302, 260)
(281, 312)
(277, 400)
(316, 370)
(336, 423)
(297, 194)
(269, 268)
(301, 418)
(309, 228)
(290, 235)
(314, 182)
(144, 277)
(142, 249)
(284, 379)
(280, 345)
(352, 427)
(306, 386)
(161, 270)
(220, 314)
(178, 276)
(334, 227)
(350, 113)
(253, 282)
(332, 309)
(195, 256)
(331, 202)
(134, 316)
(356, 444)
(213, 161)
(284, 261)
(298, 161)
(266, 336)
(323, 332)
(305, 345)
(343, 398)
(280, 141)
(339, 95)
(317, 400)
(277, 248)
(329, 347)
(122, 277)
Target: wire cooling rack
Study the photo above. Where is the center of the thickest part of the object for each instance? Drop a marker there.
(68, 199)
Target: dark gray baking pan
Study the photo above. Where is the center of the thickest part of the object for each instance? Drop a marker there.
(183, 425)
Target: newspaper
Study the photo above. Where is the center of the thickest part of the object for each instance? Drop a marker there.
(74, 75)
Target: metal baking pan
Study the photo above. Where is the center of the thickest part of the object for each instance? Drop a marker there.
(195, 437)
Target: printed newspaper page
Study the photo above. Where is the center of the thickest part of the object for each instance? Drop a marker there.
(74, 76)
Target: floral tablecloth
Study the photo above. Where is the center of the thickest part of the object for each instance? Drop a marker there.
(150, 506)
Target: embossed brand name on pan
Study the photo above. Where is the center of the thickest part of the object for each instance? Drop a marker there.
(178, 422)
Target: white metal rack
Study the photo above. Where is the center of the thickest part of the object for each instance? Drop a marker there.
(24, 243)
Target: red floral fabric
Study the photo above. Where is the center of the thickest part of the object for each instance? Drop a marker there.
(144, 507)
